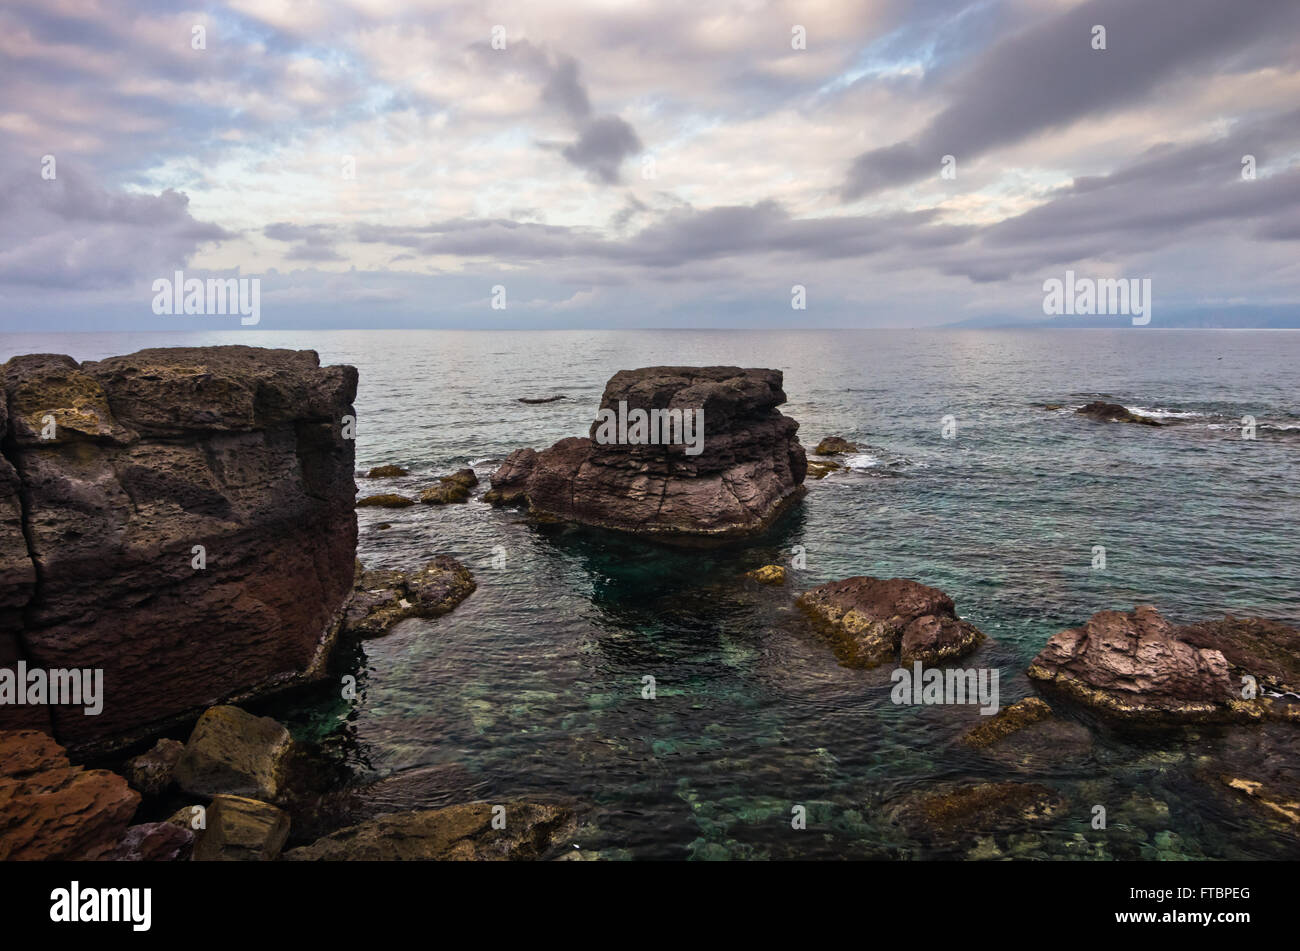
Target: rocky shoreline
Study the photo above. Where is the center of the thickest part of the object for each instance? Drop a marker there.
(199, 504)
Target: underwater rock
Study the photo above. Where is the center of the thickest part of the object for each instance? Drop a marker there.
(1028, 735)
(1114, 413)
(874, 621)
(455, 833)
(382, 597)
(727, 475)
(768, 574)
(970, 810)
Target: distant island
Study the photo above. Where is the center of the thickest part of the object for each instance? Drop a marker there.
(1286, 317)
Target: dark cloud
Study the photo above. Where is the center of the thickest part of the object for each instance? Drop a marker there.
(1049, 76)
(310, 242)
(602, 146)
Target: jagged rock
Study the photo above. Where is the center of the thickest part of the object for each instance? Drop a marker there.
(1267, 650)
(52, 810)
(768, 574)
(873, 621)
(461, 832)
(835, 446)
(154, 842)
(821, 468)
(151, 773)
(234, 752)
(749, 470)
(1114, 413)
(238, 450)
(1139, 666)
(240, 829)
(385, 500)
(382, 597)
(386, 472)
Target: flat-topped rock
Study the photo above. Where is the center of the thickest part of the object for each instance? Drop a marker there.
(727, 465)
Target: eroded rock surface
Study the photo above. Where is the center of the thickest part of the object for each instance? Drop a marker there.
(750, 469)
(874, 621)
(384, 596)
(189, 526)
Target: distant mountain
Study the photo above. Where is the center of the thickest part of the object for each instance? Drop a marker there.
(1284, 317)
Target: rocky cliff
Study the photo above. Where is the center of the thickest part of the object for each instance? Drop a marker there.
(180, 518)
(746, 467)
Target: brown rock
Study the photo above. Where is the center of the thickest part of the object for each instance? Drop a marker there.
(234, 752)
(386, 500)
(451, 488)
(972, 809)
(235, 449)
(154, 842)
(386, 472)
(242, 830)
(383, 597)
(835, 446)
(455, 833)
(768, 574)
(873, 620)
(50, 809)
(1114, 413)
(151, 773)
(1137, 665)
(750, 469)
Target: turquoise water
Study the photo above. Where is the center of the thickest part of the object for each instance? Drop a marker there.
(533, 687)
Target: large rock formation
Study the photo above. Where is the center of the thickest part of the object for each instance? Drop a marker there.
(1137, 665)
(749, 469)
(180, 518)
(874, 621)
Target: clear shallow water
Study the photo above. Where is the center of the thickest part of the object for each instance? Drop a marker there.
(533, 686)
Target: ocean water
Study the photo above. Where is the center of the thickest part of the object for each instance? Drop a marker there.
(532, 688)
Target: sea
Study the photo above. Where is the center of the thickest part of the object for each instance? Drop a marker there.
(689, 713)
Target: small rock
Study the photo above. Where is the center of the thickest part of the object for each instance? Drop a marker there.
(386, 472)
(542, 399)
(1007, 721)
(768, 574)
(386, 500)
(1114, 413)
(381, 598)
(821, 468)
(154, 842)
(242, 830)
(234, 752)
(151, 773)
(835, 446)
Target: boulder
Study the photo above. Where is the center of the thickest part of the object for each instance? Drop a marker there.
(1137, 665)
(385, 500)
(151, 773)
(242, 830)
(235, 454)
(386, 472)
(52, 810)
(384, 597)
(234, 752)
(821, 468)
(1114, 413)
(462, 832)
(451, 488)
(154, 842)
(835, 446)
(749, 469)
(873, 621)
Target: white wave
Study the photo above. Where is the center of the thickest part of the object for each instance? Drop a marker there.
(1164, 413)
(860, 460)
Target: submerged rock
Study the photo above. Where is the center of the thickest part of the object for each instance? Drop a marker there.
(1114, 413)
(383, 597)
(835, 446)
(1140, 666)
(1008, 720)
(385, 500)
(234, 752)
(874, 621)
(542, 399)
(52, 810)
(236, 454)
(966, 811)
(462, 832)
(768, 574)
(749, 468)
(1028, 735)
(821, 468)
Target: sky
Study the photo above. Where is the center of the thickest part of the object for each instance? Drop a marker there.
(619, 163)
